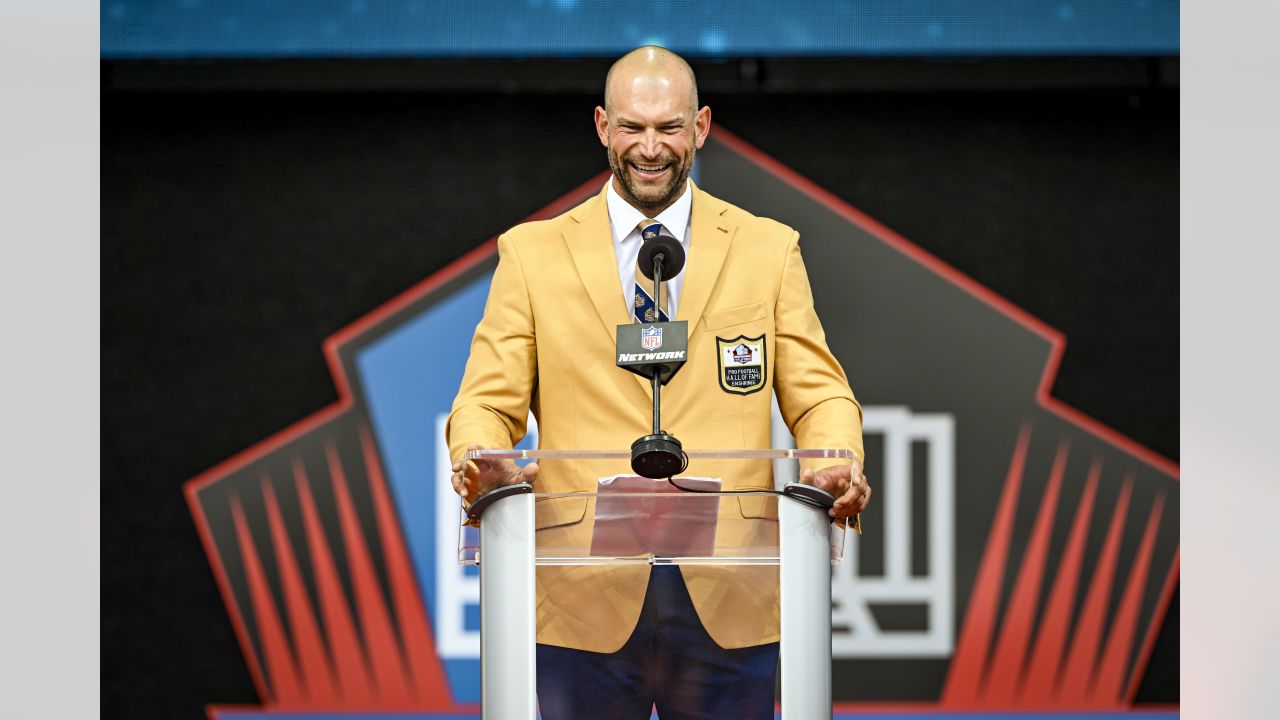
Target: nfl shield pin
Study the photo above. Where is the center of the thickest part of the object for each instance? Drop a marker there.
(651, 338)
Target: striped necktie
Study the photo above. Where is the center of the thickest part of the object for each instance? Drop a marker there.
(643, 308)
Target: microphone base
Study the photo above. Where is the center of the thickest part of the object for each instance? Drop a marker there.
(657, 456)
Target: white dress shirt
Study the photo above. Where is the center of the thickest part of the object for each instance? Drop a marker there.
(625, 221)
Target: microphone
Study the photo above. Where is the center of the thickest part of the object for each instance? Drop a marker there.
(656, 351)
(669, 250)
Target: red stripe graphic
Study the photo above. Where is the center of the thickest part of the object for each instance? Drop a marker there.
(411, 614)
(975, 635)
(1115, 659)
(354, 686)
(1020, 618)
(285, 691)
(1046, 657)
(380, 641)
(317, 678)
(360, 667)
(1078, 675)
(1088, 678)
(1140, 663)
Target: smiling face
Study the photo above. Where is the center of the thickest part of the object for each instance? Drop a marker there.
(651, 127)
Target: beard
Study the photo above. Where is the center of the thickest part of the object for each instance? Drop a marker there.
(649, 197)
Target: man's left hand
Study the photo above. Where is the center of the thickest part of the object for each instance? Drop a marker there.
(846, 482)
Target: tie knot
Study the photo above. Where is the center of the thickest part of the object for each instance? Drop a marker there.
(649, 229)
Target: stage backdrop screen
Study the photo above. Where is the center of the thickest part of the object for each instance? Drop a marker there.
(575, 28)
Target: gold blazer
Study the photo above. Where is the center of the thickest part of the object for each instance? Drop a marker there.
(546, 343)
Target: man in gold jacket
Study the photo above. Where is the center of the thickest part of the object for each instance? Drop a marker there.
(614, 642)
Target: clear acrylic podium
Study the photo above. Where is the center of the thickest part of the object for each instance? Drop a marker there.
(740, 532)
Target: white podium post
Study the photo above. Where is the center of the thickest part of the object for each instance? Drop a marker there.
(507, 630)
(805, 576)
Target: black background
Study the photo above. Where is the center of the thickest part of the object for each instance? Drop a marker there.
(239, 229)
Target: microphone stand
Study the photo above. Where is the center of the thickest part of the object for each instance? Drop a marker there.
(658, 455)
(658, 258)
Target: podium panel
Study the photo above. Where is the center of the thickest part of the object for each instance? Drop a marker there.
(587, 555)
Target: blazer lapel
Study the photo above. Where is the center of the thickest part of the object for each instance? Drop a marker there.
(590, 244)
(712, 236)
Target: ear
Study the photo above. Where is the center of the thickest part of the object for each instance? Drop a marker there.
(701, 126)
(602, 126)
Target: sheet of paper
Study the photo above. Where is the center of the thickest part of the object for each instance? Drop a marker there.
(641, 516)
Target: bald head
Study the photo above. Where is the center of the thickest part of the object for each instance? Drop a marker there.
(651, 126)
(651, 69)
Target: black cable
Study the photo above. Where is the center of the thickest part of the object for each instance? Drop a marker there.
(755, 491)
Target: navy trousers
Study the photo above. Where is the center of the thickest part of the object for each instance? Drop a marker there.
(669, 662)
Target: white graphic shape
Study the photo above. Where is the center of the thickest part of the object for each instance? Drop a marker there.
(855, 632)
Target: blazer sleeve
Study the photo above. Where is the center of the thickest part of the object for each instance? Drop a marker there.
(813, 391)
(492, 404)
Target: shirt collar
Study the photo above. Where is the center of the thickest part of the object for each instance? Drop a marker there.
(624, 218)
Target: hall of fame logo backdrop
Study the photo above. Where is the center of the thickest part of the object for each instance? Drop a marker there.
(1019, 557)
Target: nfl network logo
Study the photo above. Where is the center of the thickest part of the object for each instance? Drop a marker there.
(651, 338)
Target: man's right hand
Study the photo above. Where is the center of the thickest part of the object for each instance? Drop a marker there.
(474, 478)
